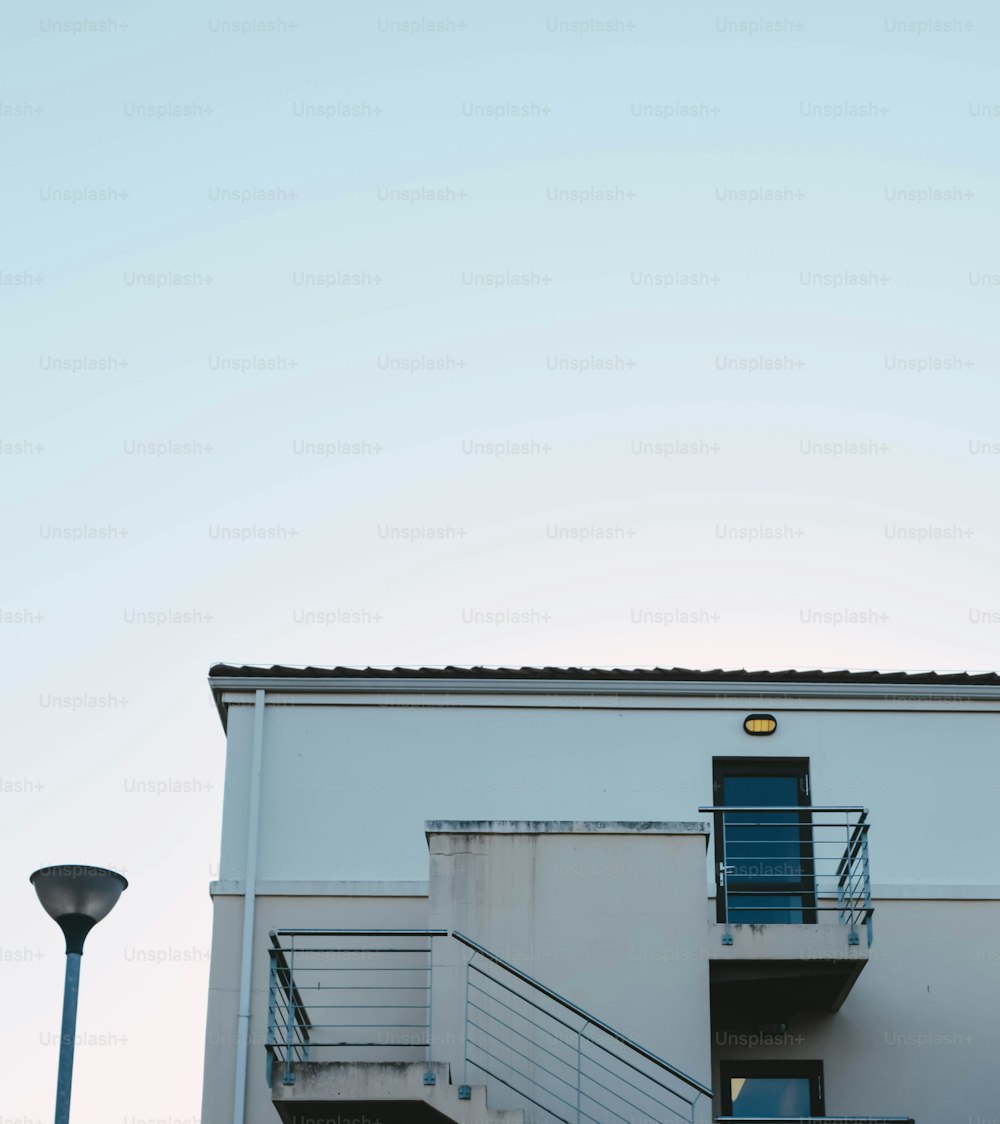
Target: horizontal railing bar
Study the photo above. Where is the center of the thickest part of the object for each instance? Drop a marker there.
(366, 951)
(366, 987)
(770, 868)
(810, 907)
(815, 1119)
(370, 1045)
(792, 820)
(739, 852)
(805, 809)
(359, 933)
(770, 872)
(756, 840)
(370, 969)
(822, 841)
(776, 890)
(334, 1026)
(765, 877)
(579, 1011)
(363, 1026)
(366, 1007)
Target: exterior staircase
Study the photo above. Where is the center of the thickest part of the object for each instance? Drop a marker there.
(350, 1030)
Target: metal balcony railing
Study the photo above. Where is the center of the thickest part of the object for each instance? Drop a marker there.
(350, 994)
(814, 1120)
(288, 1023)
(356, 990)
(785, 865)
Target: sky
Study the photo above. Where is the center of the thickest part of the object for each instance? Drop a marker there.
(610, 335)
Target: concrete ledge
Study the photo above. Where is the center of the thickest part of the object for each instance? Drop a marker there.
(823, 942)
(564, 827)
(307, 889)
(294, 888)
(958, 893)
(360, 1081)
(393, 1091)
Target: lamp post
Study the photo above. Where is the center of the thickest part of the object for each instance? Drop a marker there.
(76, 898)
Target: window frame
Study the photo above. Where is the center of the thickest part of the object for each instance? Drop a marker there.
(812, 1069)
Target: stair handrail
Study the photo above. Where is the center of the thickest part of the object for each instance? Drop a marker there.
(593, 1020)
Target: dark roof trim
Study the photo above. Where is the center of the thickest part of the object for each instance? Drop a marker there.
(604, 674)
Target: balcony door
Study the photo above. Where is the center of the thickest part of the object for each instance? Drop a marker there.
(764, 859)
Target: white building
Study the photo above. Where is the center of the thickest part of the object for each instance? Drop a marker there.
(551, 894)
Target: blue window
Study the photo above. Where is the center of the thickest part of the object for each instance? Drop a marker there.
(772, 1089)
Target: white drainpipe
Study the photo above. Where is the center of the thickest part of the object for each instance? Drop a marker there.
(249, 901)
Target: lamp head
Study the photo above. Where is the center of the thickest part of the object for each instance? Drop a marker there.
(77, 897)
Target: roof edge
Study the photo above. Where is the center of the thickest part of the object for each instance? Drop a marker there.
(893, 686)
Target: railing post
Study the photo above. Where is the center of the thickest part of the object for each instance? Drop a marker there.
(292, 1016)
(579, 1068)
(853, 936)
(843, 879)
(465, 1089)
(465, 1029)
(721, 882)
(272, 981)
(272, 1014)
(429, 1078)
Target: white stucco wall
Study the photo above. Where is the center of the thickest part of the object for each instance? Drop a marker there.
(347, 789)
(611, 919)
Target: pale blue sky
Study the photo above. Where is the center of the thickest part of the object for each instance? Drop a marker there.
(880, 143)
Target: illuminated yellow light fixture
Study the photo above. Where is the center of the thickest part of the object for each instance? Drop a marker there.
(759, 725)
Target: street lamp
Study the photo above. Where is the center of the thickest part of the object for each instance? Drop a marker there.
(76, 898)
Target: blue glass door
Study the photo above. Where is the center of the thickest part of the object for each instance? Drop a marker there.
(765, 858)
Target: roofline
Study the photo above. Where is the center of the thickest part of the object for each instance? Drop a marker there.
(893, 686)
